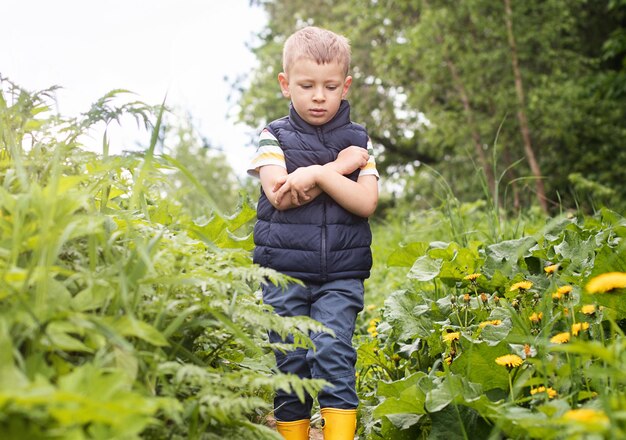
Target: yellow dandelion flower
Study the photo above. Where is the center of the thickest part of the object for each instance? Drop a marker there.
(560, 338)
(551, 268)
(448, 360)
(374, 321)
(588, 309)
(374, 334)
(471, 277)
(453, 336)
(587, 416)
(371, 307)
(565, 311)
(536, 317)
(564, 290)
(371, 329)
(561, 292)
(467, 297)
(549, 391)
(522, 285)
(576, 328)
(492, 322)
(509, 360)
(607, 282)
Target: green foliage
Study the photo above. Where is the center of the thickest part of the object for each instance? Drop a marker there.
(121, 315)
(431, 360)
(433, 84)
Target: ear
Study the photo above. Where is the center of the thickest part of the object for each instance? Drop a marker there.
(346, 86)
(284, 84)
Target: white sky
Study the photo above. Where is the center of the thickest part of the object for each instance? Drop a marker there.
(182, 48)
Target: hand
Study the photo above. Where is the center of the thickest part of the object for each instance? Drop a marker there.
(296, 185)
(350, 159)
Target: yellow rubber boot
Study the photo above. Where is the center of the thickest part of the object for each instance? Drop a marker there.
(338, 424)
(298, 430)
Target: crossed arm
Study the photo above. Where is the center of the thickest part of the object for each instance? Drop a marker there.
(286, 191)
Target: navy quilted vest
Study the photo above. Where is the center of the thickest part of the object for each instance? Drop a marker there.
(320, 241)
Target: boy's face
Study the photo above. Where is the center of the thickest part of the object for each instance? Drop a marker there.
(315, 90)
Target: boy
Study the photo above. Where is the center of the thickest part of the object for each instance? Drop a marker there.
(319, 186)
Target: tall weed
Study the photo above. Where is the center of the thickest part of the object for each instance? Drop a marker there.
(120, 315)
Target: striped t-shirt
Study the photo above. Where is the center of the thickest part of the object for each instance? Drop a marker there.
(269, 152)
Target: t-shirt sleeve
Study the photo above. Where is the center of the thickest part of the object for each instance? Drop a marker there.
(370, 167)
(268, 152)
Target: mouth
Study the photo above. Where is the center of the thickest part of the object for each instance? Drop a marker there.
(317, 111)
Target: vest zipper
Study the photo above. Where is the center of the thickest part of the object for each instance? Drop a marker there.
(323, 250)
(324, 274)
(320, 135)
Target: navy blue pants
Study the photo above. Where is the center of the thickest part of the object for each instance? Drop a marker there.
(336, 305)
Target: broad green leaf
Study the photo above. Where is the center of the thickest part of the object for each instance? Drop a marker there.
(402, 397)
(609, 259)
(446, 253)
(395, 388)
(404, 310)
(403, 421)
(129, 326)
(464, 262)
(451, 388)
(510, 250)
(478, 364)
(505, 256)
(405, 256)
(389, 430)
(91, 298)
(425, 268)
(458, 422)
(61, 335)
(438, 398)
(494, 334)
(10, 376)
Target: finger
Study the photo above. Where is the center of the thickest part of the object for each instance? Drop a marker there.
(280, 194)
(294, 197)
(302, 195)
(279, 182)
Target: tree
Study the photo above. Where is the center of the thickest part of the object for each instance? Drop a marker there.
(521, 112)
(435, 82)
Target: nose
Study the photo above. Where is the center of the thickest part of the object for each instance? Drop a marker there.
(319, 95)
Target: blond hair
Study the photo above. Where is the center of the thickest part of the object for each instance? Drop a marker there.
(317, 44)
